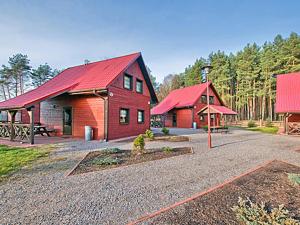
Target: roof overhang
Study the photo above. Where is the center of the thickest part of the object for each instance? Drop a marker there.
(216, 110)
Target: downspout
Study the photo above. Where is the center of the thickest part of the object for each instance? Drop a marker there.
(105, 99)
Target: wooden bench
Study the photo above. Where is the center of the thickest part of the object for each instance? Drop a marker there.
(220, 129)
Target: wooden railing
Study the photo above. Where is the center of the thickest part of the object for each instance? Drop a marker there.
(21, 132)
(294, 128)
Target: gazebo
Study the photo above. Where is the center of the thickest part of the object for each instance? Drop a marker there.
(217, 111)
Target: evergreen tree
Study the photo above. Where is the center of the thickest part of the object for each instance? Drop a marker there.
(42, 74)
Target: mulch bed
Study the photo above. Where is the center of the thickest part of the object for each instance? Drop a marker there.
(126, 158)
(161, 137)
(268, 184)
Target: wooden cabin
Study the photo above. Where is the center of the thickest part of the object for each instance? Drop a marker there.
(185, 106)
(288, 101)
(112, 96)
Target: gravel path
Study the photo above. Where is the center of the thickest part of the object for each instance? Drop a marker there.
(43, 195)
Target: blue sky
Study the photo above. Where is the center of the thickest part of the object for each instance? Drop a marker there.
(170, 34)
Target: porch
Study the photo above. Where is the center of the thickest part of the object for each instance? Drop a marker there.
(291, 123)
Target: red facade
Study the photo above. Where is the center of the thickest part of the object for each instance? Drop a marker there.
(92, 95)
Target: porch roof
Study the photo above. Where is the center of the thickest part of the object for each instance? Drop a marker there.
(217, 109)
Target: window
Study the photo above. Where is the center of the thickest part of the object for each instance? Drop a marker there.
(124, 116)
(140, 116)
(202, 118)
(203, 99)
(128, 82)
(139, 86)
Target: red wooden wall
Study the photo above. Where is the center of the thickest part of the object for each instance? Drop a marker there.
(130, 99)
(88, 110)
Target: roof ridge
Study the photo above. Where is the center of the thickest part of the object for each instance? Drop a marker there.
(90, 63)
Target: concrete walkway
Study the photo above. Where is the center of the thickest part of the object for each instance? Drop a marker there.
(43, 195)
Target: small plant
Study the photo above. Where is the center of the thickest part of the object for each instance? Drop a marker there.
(250, 213)
(149, 134)
(106, 161)
(111, 150)
(205, 128)
(165, 131)
(138, 145)
(268, 123)
(294, 178)
(251, 123)
(167, 149)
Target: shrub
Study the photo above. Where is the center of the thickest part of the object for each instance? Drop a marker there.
(294, 178)
(106, 160)
(165, 131)
(149, 134)
(250, 213)
(268, 123)
(251, 123)
(138, 145)
(205, 128)
(111, 150)
(167, 149)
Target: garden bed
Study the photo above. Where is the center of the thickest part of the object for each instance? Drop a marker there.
(269, 184)
(170, 138)
(102, 160)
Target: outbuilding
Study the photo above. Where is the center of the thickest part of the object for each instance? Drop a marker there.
(288, 101)
(112, 96)
(187, 106)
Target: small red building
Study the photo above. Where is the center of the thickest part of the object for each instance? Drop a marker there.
(288, 101)
(112, 96)
(185, 106)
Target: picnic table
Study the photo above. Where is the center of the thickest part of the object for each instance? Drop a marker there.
(39, 129)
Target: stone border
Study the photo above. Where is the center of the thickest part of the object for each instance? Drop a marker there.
(162, 210)
(69, 173)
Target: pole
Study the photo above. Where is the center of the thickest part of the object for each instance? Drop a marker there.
(208, 111)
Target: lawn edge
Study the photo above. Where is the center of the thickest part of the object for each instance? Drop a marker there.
(228, 181)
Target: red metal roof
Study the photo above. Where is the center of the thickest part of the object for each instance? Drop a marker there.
(97, 75)
(183, 97)
(288, 93)
(219, 109)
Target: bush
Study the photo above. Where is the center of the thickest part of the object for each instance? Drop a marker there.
(250, 213)
(268, 123)
(165, 131)
(149, 134)
(106, 160)
(205, 128)
(138, 145)
(251, 123)
(167, 149)
(294, 178)
(111, 150)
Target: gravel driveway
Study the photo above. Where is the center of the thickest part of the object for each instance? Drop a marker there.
(43, 195)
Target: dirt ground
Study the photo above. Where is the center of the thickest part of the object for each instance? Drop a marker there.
(268, 184)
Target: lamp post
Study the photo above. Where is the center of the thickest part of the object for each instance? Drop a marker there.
(206, 70)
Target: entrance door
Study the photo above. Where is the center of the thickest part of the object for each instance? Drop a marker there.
(67, 120)
(174, 120)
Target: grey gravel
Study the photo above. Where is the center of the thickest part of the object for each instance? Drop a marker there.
(44, 195)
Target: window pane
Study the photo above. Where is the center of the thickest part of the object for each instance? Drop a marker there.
(127, 82)
(140, 116)
(203, 99)
(211, 99)
(139, 86)
(124, 115)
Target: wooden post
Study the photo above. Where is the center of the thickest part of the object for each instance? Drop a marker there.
(31, 117)
(286, 127)
(12, 115)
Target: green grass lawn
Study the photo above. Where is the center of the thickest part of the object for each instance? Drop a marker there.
(269, 130)
(13, 158)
